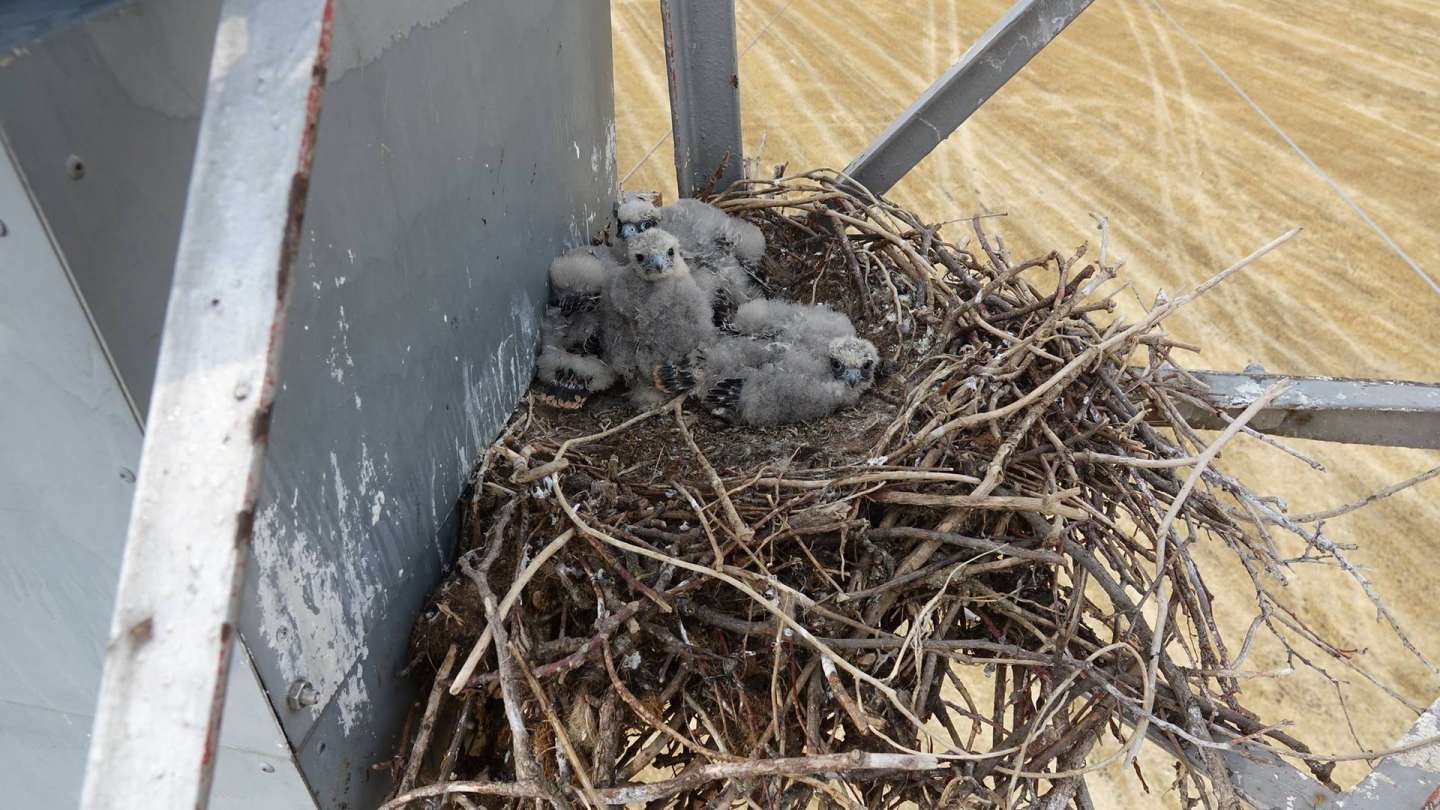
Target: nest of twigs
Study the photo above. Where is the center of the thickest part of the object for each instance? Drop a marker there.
(946, 596)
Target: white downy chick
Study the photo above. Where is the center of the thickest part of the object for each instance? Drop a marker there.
(653, 314)
(572, 313)
(704, 230)
(802, 385)
(567, 379)
(705, 241)
(808, 325)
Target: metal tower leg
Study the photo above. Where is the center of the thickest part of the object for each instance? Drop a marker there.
(704, 77)
(163, 689)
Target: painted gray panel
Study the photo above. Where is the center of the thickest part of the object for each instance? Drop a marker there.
(26, 21)
(461, 146)
(122, 91)
(68, 449)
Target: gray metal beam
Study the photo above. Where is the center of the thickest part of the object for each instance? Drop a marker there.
(1405, 780)
(998, 54)
(704, 77)
(168, 653)
(1393, 413)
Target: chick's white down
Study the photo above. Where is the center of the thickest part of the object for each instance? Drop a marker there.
(645, 311)
(794, 383)
(653, 313)
(720, 249)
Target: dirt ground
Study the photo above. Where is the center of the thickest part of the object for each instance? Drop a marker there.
(1125, 116)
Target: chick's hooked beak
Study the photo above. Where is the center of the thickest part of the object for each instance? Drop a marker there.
(852, 376)
(655, 263)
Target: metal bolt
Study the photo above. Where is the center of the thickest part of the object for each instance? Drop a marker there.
(266, 767)
(75, 167)
(127, 475)
(302, 695)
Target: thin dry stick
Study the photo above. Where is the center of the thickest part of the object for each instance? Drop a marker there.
(427, 722)
(1162, 533)
(1156, 315)
(526, 769)
(472, 660)
(742, 533)
(577, 762)
(1326, 514)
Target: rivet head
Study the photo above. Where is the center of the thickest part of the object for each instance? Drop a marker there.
(242, 390)
(75, 167)
(127, 475)
(266, 767)
(302, 695)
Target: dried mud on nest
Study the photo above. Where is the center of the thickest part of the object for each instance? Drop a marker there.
(691, 614)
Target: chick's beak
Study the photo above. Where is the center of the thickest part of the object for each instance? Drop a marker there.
(852, 376)
(656, 263)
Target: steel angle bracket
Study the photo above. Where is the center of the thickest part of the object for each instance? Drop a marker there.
(1393, 413)
(999, 53)
(157, 722)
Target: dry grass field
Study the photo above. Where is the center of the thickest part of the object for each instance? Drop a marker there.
(1126, 116)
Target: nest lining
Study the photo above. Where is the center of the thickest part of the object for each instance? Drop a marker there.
(697, 615)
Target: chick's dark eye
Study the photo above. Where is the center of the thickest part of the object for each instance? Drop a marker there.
(869, 364)
(639, 257)
(670, 252)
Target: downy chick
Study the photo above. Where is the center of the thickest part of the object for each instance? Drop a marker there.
(568, 380)
(728, 249)
(653, 314)
(633, 217)
(717, 246)
(802, 385)
(808, 325)
(572, 314)
(705, 230)
(569, 368)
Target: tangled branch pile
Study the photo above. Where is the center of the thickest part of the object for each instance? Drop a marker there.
(945, 596)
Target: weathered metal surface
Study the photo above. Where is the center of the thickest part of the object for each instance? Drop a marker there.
(1408, 781)
(1268, 782)
(998, 54)
(23, 22)
(120, 92)
(68, 437)
(167, 658)
(704, 78)
(463, 145)
(1394, 413)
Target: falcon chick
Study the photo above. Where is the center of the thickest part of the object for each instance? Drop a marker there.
(705, 230)
(728, 248)
(572, 313)
(567, 379)
(568, 368)
(721, 249)
(634, 217)
(801, 385)
(653, 314)
(810, 325)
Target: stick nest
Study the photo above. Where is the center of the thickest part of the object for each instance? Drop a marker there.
(946, 595)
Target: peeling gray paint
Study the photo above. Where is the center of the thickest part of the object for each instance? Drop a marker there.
(462, 145)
